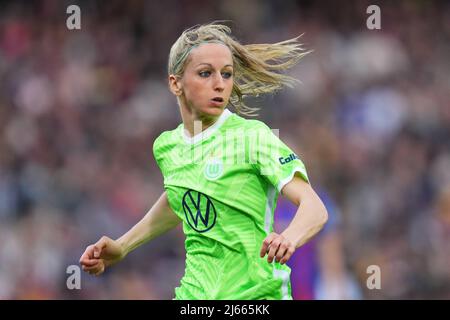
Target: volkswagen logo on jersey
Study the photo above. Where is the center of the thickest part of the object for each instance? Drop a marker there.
(213, 169)
(199, 211)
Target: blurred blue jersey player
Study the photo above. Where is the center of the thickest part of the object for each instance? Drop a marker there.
(318, 267)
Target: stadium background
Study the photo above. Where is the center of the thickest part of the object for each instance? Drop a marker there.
(79, 111)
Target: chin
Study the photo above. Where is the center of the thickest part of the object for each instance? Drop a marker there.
(213, 111)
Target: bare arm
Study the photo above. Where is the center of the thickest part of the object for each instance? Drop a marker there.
(309, 219)
(105, 252)
(311, 214)
(158, 220)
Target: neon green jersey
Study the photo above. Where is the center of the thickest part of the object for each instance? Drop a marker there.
(224, 183)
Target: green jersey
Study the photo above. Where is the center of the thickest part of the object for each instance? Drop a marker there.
(224, 183)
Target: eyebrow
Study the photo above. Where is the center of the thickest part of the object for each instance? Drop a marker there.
(209, 64)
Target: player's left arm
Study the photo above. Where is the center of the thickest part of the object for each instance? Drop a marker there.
(309, 219)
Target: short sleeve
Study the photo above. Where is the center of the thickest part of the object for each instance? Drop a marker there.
(158, 151)
(275, 160)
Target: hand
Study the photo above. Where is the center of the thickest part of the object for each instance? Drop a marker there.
(100, 255)
(278, 247)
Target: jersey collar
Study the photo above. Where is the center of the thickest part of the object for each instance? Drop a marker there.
(205, 134)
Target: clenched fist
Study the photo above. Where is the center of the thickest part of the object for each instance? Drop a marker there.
(100, 255)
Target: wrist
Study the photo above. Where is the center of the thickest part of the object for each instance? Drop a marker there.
(293, 236)
(123, 244)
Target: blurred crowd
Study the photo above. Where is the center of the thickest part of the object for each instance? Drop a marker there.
(80, 109)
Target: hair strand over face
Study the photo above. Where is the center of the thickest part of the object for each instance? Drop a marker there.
(258, 68)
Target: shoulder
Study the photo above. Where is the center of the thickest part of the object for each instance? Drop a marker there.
(166, 139)
(251, 124)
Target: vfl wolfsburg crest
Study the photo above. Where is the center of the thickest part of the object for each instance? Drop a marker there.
(199, 211)
(213, 169)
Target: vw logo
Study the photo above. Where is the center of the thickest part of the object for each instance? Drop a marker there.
(199, 211)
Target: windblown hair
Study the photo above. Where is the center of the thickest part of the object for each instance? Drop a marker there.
(257, 67)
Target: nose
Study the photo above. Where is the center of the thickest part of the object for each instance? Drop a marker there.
(218, 84)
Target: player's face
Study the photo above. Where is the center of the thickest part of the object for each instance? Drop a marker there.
(208, 79)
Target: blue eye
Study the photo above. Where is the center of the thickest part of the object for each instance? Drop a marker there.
(204, 74)
(227, 75)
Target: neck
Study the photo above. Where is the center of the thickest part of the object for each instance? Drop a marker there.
(193, 122)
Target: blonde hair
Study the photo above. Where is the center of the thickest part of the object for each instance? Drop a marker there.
(257, 67)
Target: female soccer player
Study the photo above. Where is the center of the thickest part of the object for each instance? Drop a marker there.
(223, 173)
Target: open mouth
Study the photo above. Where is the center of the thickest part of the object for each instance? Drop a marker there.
(217, 99)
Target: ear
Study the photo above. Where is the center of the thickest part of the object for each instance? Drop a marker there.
(175, 85)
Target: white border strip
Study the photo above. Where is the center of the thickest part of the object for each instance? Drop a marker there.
(283, 182)
(283, 275)
(270, 196)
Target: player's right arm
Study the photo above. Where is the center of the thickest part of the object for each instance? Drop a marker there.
(105, 252)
